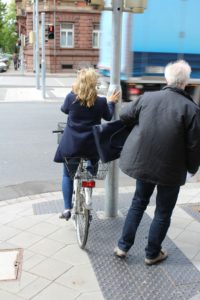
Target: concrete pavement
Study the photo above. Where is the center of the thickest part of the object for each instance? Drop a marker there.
(53, 266)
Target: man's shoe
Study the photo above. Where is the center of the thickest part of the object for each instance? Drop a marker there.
(65, 215)
(120, 253)
(161, 256)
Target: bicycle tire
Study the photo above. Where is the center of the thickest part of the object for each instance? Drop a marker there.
(82, 220)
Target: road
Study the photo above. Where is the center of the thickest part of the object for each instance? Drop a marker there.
(27, 147)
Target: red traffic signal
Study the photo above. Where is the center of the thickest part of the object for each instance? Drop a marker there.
(50, 32)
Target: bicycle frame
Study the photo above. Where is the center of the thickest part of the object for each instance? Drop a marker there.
(83, 187)
(82, 205)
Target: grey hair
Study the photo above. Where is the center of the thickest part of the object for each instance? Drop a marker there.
(178, 73)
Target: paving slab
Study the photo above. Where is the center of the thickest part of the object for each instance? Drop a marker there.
(54, 267)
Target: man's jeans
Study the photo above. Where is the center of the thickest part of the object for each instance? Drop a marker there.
(165, 201)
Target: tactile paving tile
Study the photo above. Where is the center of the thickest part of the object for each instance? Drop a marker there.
(47, 207)
(174, 279)
(190, 210)
(129, 279)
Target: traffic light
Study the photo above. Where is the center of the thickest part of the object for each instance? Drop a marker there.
(136, 6)
(97, 3)
(31, 37)
(50, 32)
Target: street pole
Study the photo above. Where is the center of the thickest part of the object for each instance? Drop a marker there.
(34, 48)
(112, 178)
(22, 37)
(37, 59)
(43, 57)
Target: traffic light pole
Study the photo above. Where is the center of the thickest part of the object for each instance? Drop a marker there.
(34, 48)
(37, 56)
(112, 179)
(22, 37)
(43, 57)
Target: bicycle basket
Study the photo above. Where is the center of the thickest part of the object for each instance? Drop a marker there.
(83, 169)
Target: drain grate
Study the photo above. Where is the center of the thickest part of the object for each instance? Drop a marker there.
(10, 264)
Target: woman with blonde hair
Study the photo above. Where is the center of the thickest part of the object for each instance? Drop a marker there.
(84, 109)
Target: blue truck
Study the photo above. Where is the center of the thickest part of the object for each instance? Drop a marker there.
(166, 31)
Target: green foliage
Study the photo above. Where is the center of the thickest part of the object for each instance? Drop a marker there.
(8, 36)
(2, 15)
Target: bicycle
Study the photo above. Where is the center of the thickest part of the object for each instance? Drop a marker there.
(84, 182)
(84, 175)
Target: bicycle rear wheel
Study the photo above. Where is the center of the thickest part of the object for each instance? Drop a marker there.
(82, 223)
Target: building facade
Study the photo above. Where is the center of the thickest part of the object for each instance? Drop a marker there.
(76, 34)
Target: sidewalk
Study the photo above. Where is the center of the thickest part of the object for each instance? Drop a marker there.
(30, 93)
(22, 91)
(53, 266)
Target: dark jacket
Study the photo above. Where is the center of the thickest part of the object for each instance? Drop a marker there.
(165, 142)
(77, 139)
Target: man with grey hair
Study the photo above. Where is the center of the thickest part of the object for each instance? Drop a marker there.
(162, 147)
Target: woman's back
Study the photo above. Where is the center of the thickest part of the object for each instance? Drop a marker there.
(84, 109)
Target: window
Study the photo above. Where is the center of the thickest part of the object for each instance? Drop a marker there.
(67, 35)
(96, 36)
(67, 66)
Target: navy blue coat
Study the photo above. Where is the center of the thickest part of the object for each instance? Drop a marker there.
(78, 139)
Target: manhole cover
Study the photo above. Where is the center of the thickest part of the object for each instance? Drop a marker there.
(10, 263)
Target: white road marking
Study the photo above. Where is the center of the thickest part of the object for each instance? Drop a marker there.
(59, 82)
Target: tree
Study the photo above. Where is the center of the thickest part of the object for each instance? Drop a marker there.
(8, 36)
(2, 16)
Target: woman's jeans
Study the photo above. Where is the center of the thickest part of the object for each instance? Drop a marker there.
(165, 202)
(67, 181)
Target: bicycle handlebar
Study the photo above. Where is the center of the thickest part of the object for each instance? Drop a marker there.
(57, 131)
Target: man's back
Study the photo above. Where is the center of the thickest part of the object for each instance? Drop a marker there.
(157, 148)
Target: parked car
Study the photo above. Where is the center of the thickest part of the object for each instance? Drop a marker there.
(3, 67)
(4, 59)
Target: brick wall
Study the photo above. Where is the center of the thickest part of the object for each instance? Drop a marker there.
(58, 59)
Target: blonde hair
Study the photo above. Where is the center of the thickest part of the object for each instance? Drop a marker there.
(178, 73)
(85, 87)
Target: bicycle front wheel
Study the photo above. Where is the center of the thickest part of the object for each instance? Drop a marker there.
(82, 224)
